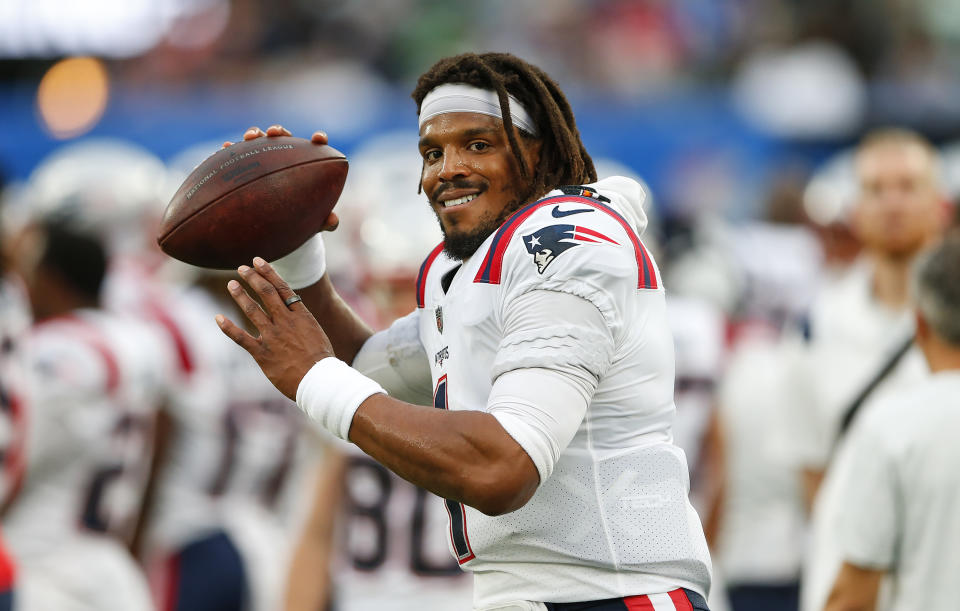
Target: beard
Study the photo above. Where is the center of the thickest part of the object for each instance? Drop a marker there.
(460, 245)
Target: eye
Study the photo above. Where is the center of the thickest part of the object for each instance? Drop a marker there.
(431, 155)
(479, 145)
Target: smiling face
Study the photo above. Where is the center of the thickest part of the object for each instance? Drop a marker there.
(471, 177)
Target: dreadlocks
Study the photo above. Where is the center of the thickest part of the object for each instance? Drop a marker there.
(563, 159)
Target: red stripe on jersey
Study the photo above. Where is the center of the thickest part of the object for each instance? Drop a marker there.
(680, 600)
(180, 343)
(583, 238)
(14, 458)
(638, 603)
(90, 335)
(422, 276)
(492, 264)
(595, 234)
(8, 571)
(171, 589)
(113, 369)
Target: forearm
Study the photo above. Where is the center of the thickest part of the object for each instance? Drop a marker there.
(845, 601)
(347, 332)
(463, 456)
(855, 589)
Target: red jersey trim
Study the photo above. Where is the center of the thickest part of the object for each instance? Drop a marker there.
(424, 270)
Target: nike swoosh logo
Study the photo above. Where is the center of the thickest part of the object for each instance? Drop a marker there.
(557, 213)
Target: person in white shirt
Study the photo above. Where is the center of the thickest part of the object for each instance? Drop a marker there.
(541, 342)
(901, 499)
(857, 326)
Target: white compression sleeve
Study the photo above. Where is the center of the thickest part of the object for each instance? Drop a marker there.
(542, 410)
(556, 347)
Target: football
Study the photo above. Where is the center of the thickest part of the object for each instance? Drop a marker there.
(262, 197)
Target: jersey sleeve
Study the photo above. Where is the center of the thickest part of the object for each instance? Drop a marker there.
(870, 511)
(554, 350)
(569, 272)
(396, 360)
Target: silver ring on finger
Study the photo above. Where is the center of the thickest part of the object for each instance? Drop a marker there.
(292, 299)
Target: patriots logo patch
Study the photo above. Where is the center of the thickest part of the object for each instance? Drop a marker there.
(550, 242)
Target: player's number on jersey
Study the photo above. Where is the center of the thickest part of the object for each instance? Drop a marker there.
(239, 424)
(368, 492)
(107, 503)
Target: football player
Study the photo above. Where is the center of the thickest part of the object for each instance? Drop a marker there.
(541, 329)
(93, 399)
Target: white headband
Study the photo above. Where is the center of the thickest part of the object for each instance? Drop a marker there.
(457, 97)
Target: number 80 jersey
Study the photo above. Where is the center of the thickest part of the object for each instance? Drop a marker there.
(611, 516)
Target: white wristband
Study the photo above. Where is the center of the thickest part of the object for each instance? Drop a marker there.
(332, 391)
(304, 266)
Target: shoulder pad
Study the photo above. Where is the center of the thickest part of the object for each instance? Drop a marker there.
(556, 225)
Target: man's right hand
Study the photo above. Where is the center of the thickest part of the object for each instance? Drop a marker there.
(318, 137)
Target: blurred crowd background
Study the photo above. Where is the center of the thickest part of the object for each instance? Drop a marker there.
(740, 116)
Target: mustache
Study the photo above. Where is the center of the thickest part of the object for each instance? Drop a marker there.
(452, 185)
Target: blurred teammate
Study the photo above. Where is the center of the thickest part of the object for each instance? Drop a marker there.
(14, 324)
(228, 441)
(541, 330)
(218, 535)
(858, 327)
(90, 426)
(900, 511)
(760, 537)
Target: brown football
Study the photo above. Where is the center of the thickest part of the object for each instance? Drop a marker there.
(261, 197)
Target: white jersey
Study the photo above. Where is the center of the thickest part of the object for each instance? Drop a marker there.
(93, 396)
(611, 515)
(267, 452)
(901, 499)
(699, 333)
(14, 323)
(762, 527)
(236, 442)
(852, 336)
(393, 550)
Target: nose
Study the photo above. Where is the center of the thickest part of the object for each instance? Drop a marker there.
(453, 165)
